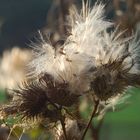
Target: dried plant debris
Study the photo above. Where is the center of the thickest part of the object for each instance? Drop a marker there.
(91, 59)
(35, 100)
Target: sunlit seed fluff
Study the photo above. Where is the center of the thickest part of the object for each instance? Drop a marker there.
(63, 67)
(114, 60)
(91, 59)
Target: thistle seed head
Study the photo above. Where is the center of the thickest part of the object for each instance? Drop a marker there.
(33, 100)
(91, 59)
(58, 93)
(30, 102)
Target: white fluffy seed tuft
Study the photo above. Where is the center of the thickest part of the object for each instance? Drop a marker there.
(88, 50)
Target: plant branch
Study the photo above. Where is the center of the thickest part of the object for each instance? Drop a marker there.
(63, 127)
(62, 121)
(92, 116)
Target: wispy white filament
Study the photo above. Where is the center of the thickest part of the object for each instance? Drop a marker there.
(89, 46)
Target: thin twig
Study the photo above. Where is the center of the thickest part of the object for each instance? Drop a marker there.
(62, 121)
(96, 130)
(92, 116)
(63, 127)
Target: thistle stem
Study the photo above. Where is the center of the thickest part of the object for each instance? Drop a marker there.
(63, 127)
(62, 121)
(92, 116)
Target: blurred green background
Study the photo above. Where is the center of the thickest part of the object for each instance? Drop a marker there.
(125, 123)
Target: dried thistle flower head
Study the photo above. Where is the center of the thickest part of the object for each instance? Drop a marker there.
(114, 61)
(113, 78)
(30, 101)
(55, 62)
(58, 93)
(36, 100)
(91, 59)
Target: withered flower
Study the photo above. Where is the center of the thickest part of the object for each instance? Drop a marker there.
(91, 59)
(31, 101)
(114, 77)
(58, 93)
(111, 62)
(34, 100)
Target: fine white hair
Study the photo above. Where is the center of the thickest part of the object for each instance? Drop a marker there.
(89, 46)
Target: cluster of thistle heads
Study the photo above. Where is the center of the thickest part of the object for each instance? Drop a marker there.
(91, 61)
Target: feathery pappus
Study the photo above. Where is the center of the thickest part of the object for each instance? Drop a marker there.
(91, 59)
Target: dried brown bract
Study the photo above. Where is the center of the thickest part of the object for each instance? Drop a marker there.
(58, 92)
(30, 102)
(40, 99)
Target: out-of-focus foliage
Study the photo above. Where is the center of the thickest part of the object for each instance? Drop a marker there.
(125, 123)
(2, 96)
